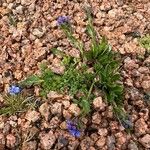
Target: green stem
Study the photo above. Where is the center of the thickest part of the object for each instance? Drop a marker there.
(78, 44)
(90, 90)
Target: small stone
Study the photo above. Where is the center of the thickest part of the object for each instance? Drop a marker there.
(105, 6)
(145, 141)
(66, 114)
(112, 13)
(102, 132)
(113, 125)
(132, 146)
(32, 116)
(98, 103)
(85, 143)
(1, 99)
(10, 6)
(11, 141)
(101, 142)
(54, 122)
(31, 7)
(63, 125)
(58, 68)
(2, 141)
(37, 32)
(27, 2)
(119, 2)
(111, 142)
(140, 127)
(129, 82)
(19, 9)
(31, 145)
(16, 34)
(47, 140)
(62, 142)
(13, 123)
(6, 128)
(18, 74)
(40, 53)
(45, 110)
(54, 95)
(109, 112)
(146, 84)
(143, 70)
(130, 64)
(130, 47)
(96, 118)
(2, 124)
(74, 53)
(56, 108)
(73, 145)
(121, 139)
(66, 104)
(74, 109)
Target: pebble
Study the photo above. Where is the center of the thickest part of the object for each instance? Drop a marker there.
(47, 140)
(31, 145)
(54, 95)
(74, 109)
(111, 142)
(44, 109)
(133, 146)
(2, 141)
(145, 141)
(56, 108)
(10, 141)
(140, 127)
(27, 2)
(32, 116)
(101, 142)
(66, 104)
(146, 84)
(39, 33)
(98, 103)
(102, 132)
(96, 118)
(19, 9)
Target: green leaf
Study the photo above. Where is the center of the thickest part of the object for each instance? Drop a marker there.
(115, 78)
(145, 42)
(12, 20)
(32, 80)
(56, 51)
(90, 30)
(85, 105)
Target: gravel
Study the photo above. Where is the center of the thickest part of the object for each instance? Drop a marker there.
(28, 32)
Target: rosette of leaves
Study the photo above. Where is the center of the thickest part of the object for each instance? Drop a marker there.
(77, 80)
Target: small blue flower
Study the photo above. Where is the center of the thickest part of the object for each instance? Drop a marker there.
(14, 90)
(62, 20)
(127, 124)
(73, 129)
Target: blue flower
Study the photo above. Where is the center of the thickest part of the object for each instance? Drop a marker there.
(127, 124)
(14, 90)
(73, 129)
(62, 20)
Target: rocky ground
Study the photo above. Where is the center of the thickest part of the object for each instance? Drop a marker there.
(28, 31)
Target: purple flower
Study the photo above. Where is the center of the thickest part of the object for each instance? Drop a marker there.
(73, 129)
(14, 90)
(62, 20)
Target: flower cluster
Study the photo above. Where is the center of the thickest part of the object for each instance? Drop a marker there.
(73, 129)
(14, 90)
(62, 20)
